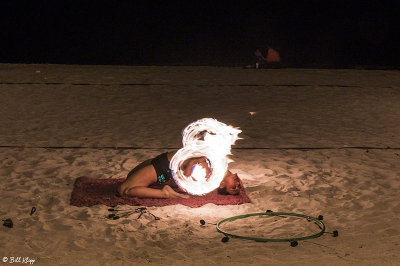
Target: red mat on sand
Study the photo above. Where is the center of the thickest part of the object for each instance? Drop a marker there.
(92, 191)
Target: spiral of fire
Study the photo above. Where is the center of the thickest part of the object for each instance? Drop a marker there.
(209, 139)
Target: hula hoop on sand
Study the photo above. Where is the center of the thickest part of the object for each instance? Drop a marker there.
(318, 222)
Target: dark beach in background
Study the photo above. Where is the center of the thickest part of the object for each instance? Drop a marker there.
(333, 34)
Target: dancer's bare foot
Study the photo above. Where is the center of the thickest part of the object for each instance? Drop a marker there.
(170, 193)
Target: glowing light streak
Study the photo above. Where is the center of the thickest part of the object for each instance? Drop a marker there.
(207, 138)
(198, 173)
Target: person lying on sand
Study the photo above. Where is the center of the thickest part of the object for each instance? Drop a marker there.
(157, 171)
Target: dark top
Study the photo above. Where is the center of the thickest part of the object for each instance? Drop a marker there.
(161, 165)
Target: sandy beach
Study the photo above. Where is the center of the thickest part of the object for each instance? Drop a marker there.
(315, 142)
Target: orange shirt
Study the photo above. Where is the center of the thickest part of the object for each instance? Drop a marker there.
(273, 56)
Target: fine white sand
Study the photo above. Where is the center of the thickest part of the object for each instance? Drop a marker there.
(331, 113)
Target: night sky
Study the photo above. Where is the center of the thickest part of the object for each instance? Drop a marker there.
(218, 33)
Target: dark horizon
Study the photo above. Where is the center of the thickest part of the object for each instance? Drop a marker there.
(333, 35)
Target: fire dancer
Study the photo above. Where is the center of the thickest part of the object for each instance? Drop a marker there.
(157, 171)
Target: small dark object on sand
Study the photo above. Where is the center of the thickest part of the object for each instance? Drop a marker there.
(267, 211)
(293, 243)
(320, 217)
(8, 223)
(335, 233)
(202, 222)
(33, 210)
(225, 239)
(111, 216)
(115, 217)
(111, 209)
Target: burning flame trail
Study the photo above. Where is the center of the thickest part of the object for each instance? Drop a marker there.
(207, 138)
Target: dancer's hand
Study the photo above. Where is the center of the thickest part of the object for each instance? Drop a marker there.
(188, 165)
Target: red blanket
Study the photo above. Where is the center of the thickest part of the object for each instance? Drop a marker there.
(91, 191)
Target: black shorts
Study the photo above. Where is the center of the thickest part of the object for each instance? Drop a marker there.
(161, 165)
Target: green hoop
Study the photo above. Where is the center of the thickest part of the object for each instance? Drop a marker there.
(320, 224)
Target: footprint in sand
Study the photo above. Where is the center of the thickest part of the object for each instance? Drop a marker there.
(269, 172)
(6, 171)
(60, 225)
(366, 203)
(50, 203)
(69, 159)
